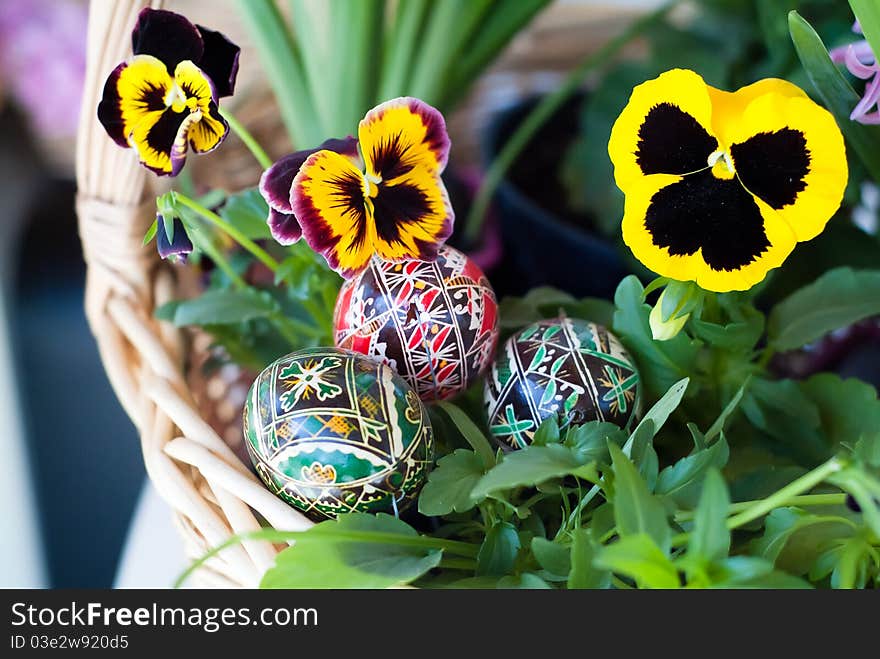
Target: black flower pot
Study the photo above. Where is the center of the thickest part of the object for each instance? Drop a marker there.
(544, 243)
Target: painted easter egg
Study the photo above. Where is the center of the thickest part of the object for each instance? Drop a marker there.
(435, 323)
(331, 431)
(572, 368)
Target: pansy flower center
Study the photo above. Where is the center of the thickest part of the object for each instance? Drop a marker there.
(178, 100)
(721, 164)
(371, 184)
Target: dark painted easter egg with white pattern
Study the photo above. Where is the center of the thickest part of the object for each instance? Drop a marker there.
(331, 431)
(572, 368)
(434, 322)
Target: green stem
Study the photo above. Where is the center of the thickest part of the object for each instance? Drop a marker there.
(458, 564)
(806, 482)
(245, 136)
(800, 501)
(544, 111)
(258, 252)
(780, 498)
(223, 263)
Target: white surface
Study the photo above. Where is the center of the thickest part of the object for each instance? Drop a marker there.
(153, 553)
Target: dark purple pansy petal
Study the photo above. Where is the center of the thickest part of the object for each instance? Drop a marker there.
(177, 249)
(166, 36)
(285, 227)
(219, 61)
(276, 182)
(109, 109)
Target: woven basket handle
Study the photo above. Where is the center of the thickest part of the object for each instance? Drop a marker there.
(212, 493)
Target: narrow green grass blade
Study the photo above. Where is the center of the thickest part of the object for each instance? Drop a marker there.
(310, 21)
(450, 26)
(501, 24)
(280, 58)
(543, 111)
(357, 40)
(400, 46)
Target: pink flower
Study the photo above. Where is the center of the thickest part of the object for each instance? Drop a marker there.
(861, 61)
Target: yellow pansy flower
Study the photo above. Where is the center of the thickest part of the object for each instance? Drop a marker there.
(721, 186)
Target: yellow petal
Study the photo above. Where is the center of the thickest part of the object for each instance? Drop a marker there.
(805, 202)
(401, 135)
(330, 203)
(679, 147)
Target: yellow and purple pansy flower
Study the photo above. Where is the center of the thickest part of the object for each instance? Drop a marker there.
(164, 100)
(276, 187)
(721, 186)
(388, 201)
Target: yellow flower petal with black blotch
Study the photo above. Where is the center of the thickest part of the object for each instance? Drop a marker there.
(664, 129)
(789, 152)
(141, 88)
(330, 204)
(398, 209)
(401, 135)
(161, 116)
(722, 197)
(209, 128)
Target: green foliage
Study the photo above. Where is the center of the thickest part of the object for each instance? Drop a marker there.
(836, 299)
(330, 62)
(659, 363)
(354, 551)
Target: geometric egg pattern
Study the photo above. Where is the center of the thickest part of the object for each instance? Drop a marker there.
(567, 367)
(331, 431)
(435, 323)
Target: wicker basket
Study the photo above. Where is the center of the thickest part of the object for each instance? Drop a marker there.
(149, 363)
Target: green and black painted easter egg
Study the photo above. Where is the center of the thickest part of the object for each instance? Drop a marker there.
(331, 431)
(575, 369)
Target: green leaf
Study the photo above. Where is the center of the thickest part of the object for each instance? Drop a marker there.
(324, 558)
(636, 511)
(450, 484)
(794, 539)
(552, 556)
(247, 211)
(151, 232)
(547, 432)
(533, 465)
(782, 410)
(656, 417)
(591, 440)
(710, 538)
(660, 363)
(681, 482)
(583, 572)
(221, 307)
(473, 435)
(527, 581)
(849, 410)
(639, 557)
(851, 568)
(735, 337)
(838, 298)
(498, 551)
(835, 92)
(752, 572)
